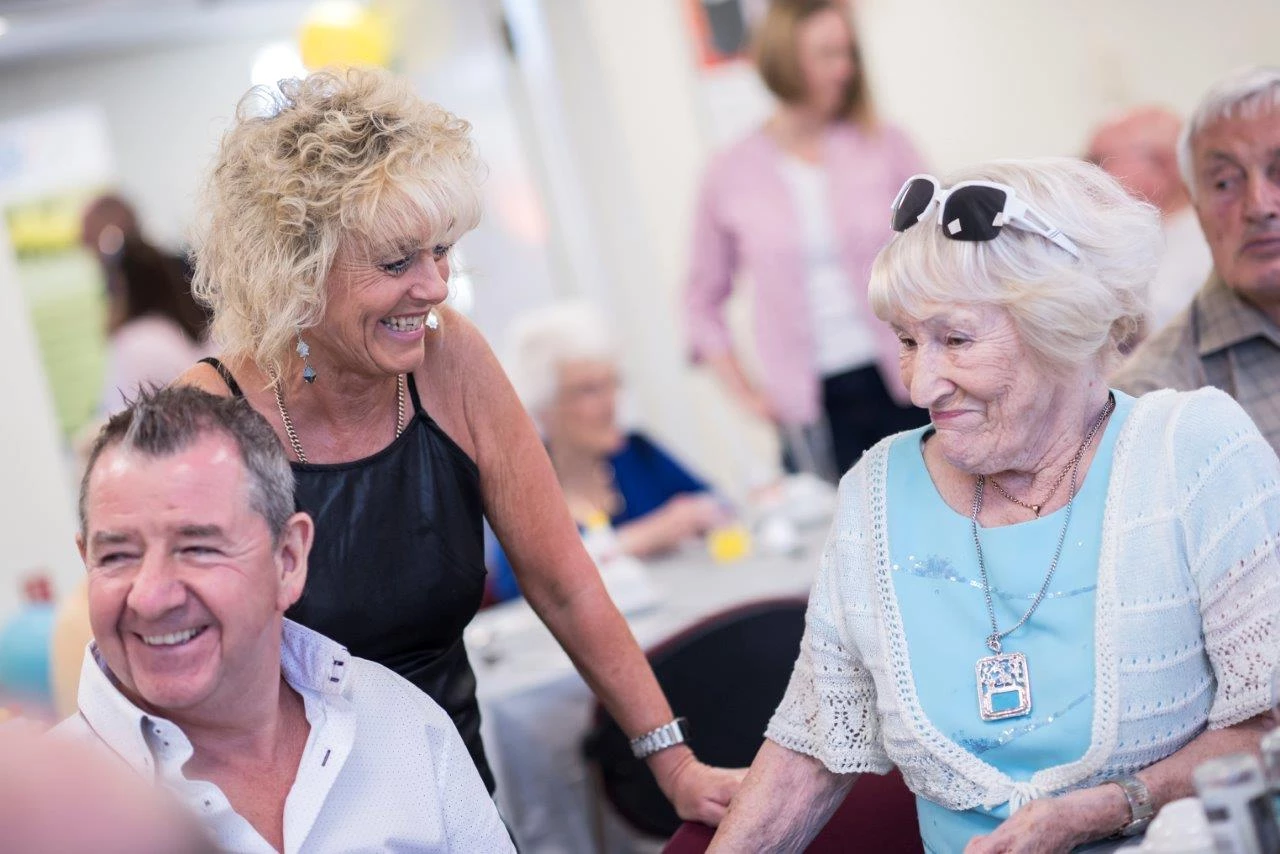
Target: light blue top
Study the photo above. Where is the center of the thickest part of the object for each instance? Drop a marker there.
(939, 589)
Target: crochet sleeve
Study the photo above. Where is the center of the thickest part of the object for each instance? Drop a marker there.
(1231, 517)
(829, 710)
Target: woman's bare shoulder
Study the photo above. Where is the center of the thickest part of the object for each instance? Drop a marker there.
(462, 383)
(204, 377)
(459, 360)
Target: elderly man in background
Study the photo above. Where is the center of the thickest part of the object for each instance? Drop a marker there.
(274, 735)
(1229, 336)
(1139, 148)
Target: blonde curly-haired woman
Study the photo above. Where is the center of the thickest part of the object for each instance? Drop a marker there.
(324, 255)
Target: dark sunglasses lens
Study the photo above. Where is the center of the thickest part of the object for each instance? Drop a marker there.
(970, 213)
(915, 200)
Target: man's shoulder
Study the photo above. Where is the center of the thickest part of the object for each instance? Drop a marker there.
(76, 730)
(1168, 359)
(376, 689)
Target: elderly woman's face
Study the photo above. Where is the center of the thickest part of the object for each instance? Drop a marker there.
(986, 393)
(584, 413)
(376, 308)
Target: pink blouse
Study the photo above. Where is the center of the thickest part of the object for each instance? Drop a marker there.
(746, 222)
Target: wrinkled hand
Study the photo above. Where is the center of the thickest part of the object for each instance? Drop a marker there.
(700, 792)
(681, 519)
(688, 516)
(1041, 827)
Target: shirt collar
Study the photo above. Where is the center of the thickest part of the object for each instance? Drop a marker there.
(1224, 319)
(310, 662)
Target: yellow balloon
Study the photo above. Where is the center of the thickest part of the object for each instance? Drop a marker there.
(344, 33)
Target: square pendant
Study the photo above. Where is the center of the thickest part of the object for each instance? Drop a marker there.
(1004, 686)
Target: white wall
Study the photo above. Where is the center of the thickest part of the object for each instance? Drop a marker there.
(653, 96)
(1009, 78)
(165, 111)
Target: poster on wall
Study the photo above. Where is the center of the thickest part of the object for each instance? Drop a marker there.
(721, 29)
(733, 98)
(51, 165)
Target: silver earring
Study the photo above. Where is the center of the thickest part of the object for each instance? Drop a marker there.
(433, 319)
(308, 372)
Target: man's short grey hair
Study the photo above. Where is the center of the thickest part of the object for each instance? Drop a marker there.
(162, 422)
(1066, 311)
(1247, 93)
(540, 342)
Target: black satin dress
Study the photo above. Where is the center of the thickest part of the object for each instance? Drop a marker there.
(397, 569)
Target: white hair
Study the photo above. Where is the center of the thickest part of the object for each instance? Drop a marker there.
(1067, 311)
(540, 342)
(1248, 93)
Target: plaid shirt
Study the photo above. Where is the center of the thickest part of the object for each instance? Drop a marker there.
(1218, 340)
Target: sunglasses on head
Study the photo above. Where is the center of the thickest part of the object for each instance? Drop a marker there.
(973, 210)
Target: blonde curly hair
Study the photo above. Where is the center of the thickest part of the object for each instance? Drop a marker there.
(338, 156)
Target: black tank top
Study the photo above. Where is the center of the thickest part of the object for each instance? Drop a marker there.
(397, 569)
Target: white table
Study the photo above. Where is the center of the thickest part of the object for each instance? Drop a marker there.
(536, 709)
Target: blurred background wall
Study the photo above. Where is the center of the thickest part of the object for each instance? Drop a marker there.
(595, 118)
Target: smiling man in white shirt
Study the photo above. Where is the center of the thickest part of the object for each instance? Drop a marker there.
(274, 735)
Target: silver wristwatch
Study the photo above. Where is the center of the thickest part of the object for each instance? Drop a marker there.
(1141, 809)
(667, 735)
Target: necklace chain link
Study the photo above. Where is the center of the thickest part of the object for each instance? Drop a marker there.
(996, 636)
(293, 434)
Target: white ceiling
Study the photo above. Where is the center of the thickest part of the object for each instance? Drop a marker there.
(41, 30)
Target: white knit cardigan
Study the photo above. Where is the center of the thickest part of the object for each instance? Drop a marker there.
(1187, 620)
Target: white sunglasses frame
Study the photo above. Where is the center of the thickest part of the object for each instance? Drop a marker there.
(1016, 212)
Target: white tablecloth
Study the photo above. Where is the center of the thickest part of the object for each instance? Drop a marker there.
(537, 710)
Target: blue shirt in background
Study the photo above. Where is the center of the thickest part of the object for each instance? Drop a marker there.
(645, 476)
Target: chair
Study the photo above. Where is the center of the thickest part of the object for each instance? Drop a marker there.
(878, 814)
(726, 674)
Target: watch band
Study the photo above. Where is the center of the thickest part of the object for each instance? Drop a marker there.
(1141, 810)
(667, 735)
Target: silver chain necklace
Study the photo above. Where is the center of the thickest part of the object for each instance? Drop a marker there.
(1004, 675)
(293, 434)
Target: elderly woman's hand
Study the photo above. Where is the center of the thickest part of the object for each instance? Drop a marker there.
(1056, 825)
(680, 519)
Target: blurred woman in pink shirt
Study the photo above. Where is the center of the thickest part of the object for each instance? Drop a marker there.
(801, 206)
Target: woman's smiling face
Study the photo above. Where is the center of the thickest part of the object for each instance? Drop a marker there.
(377, 305)
(988, 395)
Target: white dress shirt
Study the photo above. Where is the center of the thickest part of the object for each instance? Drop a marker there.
(384, 768)
(841, 338)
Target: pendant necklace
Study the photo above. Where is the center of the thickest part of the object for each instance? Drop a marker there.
(1004, 682)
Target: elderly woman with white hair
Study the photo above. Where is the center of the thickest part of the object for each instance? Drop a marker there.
(329, 220)
(1046, 607)
(564, 365)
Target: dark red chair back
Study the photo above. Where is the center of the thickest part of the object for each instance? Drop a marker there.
(878, 814)
(726, 674)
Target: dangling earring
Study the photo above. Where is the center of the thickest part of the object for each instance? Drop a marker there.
(433, 319)
(308, 372)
